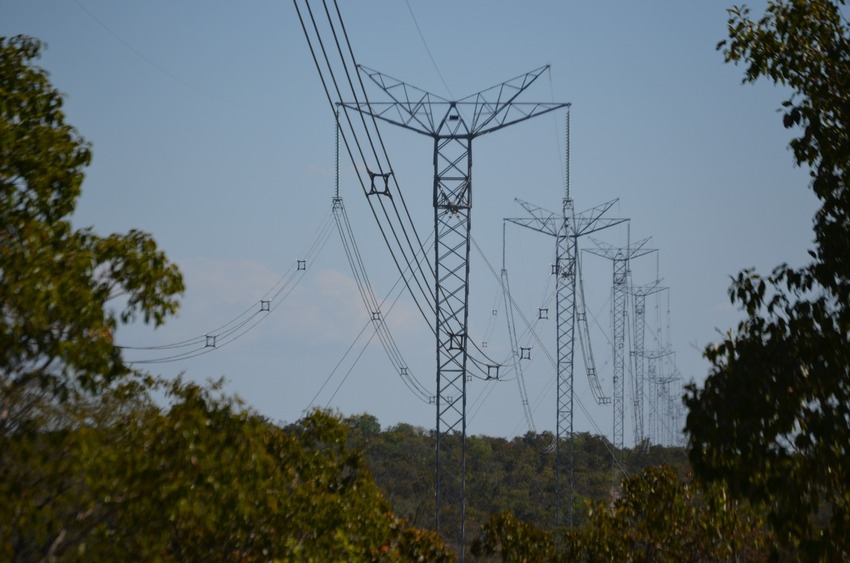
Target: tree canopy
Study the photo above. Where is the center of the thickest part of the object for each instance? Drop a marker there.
(772, 419)
(63, 291)
(101, 463)
(200, 479)
(659, 517)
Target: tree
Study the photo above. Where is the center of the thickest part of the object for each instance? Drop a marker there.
(199, 479)
(772, 419)
(101, 463)
(659, 517)
(505, 538)
(63, 291)
(93, 468)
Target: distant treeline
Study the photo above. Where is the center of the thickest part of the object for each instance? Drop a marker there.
(516, 475)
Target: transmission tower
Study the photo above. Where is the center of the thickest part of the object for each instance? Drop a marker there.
(656, 393)
(670, 405)
(452, 125)
(640, 293)
(620, 258)
(566, 228)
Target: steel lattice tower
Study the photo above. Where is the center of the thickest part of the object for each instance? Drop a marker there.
(670, 406)
(566, 229)
(656, 386)
(652, 376)
(639, 293)
(661, 381)
(452, 125)
(620, 258)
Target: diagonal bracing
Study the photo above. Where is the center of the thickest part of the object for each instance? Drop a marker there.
(620, 257)
(566, 228)
(452, 125)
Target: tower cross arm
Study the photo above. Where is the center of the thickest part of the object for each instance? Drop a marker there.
(420, 111)
(585, 226)
(410, 107)
(634, 250)
(590, 220)
(545, 227)
(540, 219)
(493, 118)
(495, 107)
(648, 289)
(417, 117)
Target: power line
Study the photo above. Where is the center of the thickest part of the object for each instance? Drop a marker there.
(244, 322)
(427, 49)
(147, 59)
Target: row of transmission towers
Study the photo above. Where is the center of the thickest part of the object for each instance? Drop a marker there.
(652, 372)
(566, 228)
(452, 125)
(649, 395)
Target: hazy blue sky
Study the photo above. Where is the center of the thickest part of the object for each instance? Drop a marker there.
(210, 130)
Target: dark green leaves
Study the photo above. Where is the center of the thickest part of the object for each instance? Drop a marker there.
(772, 420)
(121, 478)
(56, 331)
(42, 156)
(92, 468)
(657, 517)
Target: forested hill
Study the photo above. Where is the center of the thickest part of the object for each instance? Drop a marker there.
(502, 474)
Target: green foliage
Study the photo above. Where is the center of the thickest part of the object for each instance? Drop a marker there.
(402, 460)
(659, 517)
(121, 478)
(773, 418)
(366, 424)
(93, 465)
(515, 476)
(56, 331)
(505, 538)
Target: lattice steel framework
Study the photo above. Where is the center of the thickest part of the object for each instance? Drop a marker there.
(640, 293)
(659, 382)
(452, 125)
(620, 258)
(566, 229)
(656, 393)
(652, 377)
(670, 404)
